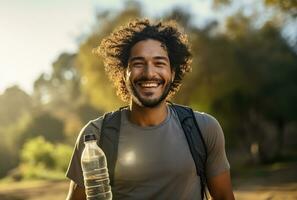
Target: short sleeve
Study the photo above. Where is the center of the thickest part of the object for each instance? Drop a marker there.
(213, 135)
(74, 171)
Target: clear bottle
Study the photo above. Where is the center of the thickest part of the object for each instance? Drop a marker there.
(95, 172)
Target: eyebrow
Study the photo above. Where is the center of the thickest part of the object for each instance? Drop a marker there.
(136, 58)
(161, 58)
(142, 58)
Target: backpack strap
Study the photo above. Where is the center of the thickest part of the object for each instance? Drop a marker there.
(109, 140)
(195, 140)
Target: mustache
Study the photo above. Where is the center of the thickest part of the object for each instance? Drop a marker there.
(143, 79)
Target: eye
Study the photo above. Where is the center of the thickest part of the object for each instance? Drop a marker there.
(160, 64)
(137, 64)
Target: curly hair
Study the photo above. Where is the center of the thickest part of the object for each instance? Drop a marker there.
(115, 50)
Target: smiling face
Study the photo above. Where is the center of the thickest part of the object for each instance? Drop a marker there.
(149, 75)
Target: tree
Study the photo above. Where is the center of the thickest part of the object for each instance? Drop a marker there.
(46, 125)
(250, 84)
(15, 106)
(59, 94)
(285, 5)
(14, 102)
(61, 86)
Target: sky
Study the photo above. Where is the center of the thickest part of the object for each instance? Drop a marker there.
(34, 32)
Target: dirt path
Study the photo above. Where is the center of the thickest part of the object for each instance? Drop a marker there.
(275, 182)
(58, 190)
(280, 192)
(41, 190)
(270, 184)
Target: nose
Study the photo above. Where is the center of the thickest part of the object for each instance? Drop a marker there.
(149, 70)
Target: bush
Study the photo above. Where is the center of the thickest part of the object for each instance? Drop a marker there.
(42, 159)
(62, 155)
(38, 152)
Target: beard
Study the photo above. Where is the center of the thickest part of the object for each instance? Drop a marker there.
(146, 102)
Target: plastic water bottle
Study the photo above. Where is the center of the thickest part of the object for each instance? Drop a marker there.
(94, 166)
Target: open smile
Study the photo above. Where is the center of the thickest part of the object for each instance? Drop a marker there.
(149, 84)
(149, 87)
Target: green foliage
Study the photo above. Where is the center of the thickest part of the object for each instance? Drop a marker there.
(287, 5)
(9, 147)
(42, 159)
(245, 76)
(87, 112)
(59, 95)
(14, 102)
(60, 87)
(7, 160)
(62, 155)
(38, 152)
(46, 125)
(219, 3)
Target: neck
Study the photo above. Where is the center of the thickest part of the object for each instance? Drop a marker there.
(145, 116)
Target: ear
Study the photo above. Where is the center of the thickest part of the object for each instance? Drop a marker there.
(126, 73)
(172, 75)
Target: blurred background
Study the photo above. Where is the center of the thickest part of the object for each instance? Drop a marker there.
(51, 85)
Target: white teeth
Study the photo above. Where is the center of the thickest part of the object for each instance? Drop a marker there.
(149, 85)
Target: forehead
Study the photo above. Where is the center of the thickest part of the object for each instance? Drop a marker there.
(148, 48)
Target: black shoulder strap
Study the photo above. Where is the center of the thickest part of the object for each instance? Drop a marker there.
(109, 139)
(195, 140)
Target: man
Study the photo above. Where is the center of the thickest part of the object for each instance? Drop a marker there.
(147, 62)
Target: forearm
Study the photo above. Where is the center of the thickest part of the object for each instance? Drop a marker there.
(220, 187)
(75, 192)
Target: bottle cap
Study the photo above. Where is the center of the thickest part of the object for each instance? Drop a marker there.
(89, 137)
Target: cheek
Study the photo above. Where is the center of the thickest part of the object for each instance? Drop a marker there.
(167, 75)
(134, 74)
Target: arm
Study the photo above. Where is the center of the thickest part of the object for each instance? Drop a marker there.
(76, 192)
(217, 165)
(220, 187)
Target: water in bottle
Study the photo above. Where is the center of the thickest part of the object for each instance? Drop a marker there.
(94, 166)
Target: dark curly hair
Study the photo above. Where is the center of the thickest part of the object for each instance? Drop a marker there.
(116, 48)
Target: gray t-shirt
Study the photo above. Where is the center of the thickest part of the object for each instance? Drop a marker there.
(155, 162)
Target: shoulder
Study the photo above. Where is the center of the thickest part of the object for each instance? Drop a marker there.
(213, 135)
(210, 128)
(206, 121)
(93, 126)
